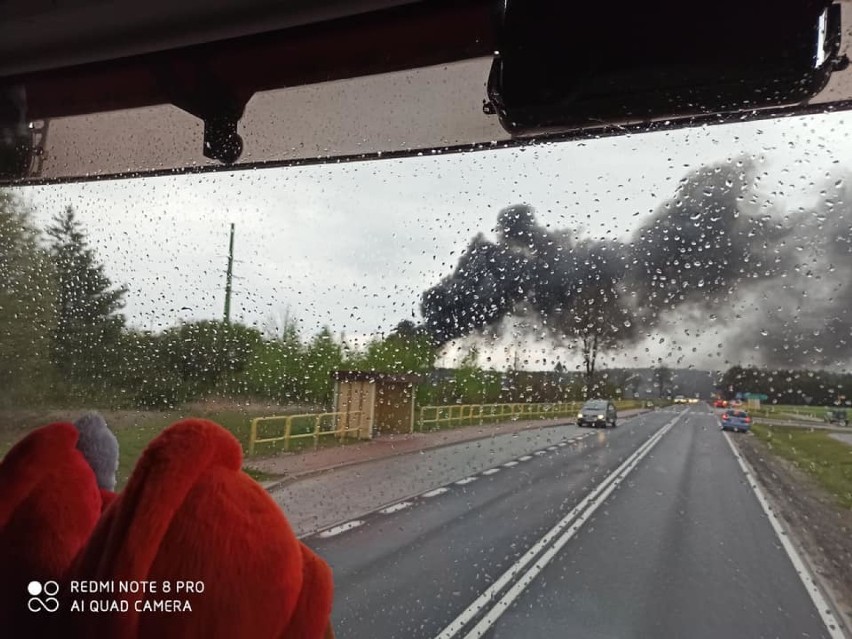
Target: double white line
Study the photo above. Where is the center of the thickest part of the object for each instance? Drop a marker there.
(544, 550)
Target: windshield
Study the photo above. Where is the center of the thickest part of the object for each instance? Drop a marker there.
(400, 348)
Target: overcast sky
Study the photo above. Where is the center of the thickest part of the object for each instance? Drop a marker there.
(353, 246)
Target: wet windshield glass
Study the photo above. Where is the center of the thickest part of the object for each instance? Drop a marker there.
(401, 348)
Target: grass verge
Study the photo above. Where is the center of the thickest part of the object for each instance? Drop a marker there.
(829, 461)
(783, 411)
(135, 430)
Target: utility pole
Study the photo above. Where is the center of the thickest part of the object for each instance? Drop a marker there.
(228, 277)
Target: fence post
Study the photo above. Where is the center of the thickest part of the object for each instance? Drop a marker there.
(316, 430)
(343, 426)
(252, 435)
(288, 429)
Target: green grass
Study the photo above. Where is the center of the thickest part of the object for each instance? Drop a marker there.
(132, 440)
(829, 461)
(783, 410)
(135, 430)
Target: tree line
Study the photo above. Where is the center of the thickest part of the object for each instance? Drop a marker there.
(64, 340)
(789, 386)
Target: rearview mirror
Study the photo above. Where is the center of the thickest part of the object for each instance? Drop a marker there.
(563, 66)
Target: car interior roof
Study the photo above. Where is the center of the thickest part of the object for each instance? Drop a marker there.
(91, 100)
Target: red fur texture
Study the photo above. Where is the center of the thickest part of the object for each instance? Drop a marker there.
(107, 497)
(49, 506)
(189, 513)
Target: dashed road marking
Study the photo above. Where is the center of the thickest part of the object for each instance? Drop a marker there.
(342, 528)
(387, 510)
(402, 505)
(499, 596)
(436, 492)
(396, 507)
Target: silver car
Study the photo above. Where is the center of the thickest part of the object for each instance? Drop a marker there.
(598, 412)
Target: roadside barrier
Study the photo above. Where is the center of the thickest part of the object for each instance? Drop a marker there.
(294, 427)
(345, 424)
(436, 417)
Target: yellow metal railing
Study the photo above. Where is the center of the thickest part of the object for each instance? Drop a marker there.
(341, 428)
(434, 417)
(340, 424)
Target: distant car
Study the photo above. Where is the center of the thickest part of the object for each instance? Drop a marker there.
(836, 416)
(598, 412)
(680, 399)
(720, 403)
(737, 420)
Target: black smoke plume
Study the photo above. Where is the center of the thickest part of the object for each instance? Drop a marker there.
(707, 249)
(804, 319)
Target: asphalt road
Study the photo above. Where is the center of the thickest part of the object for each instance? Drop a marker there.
(329, 498)
(648, 530)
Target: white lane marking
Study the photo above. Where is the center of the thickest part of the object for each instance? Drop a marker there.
(525, 458)
(342, 528)
(540, 452)
(490, 471)
(466, 480)
(436, 492)
(561, 444)
(799, 565)
(396, 507)
(581, 512)
(551, 448)
(509, 464)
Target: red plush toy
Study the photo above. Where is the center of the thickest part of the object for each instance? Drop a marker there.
(50, 503)
(188, 514)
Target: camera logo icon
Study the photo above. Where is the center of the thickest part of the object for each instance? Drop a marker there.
(43, 596)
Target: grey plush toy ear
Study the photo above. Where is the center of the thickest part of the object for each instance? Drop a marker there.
(100, 448)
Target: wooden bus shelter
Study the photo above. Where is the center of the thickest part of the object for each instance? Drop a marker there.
(379, 403)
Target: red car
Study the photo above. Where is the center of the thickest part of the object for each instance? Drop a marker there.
(720, 403)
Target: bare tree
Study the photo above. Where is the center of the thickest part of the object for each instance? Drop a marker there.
(280, 324)
(662, 378)
(595, 323)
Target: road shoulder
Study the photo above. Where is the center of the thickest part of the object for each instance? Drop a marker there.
(822, 529)
(291, 467)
